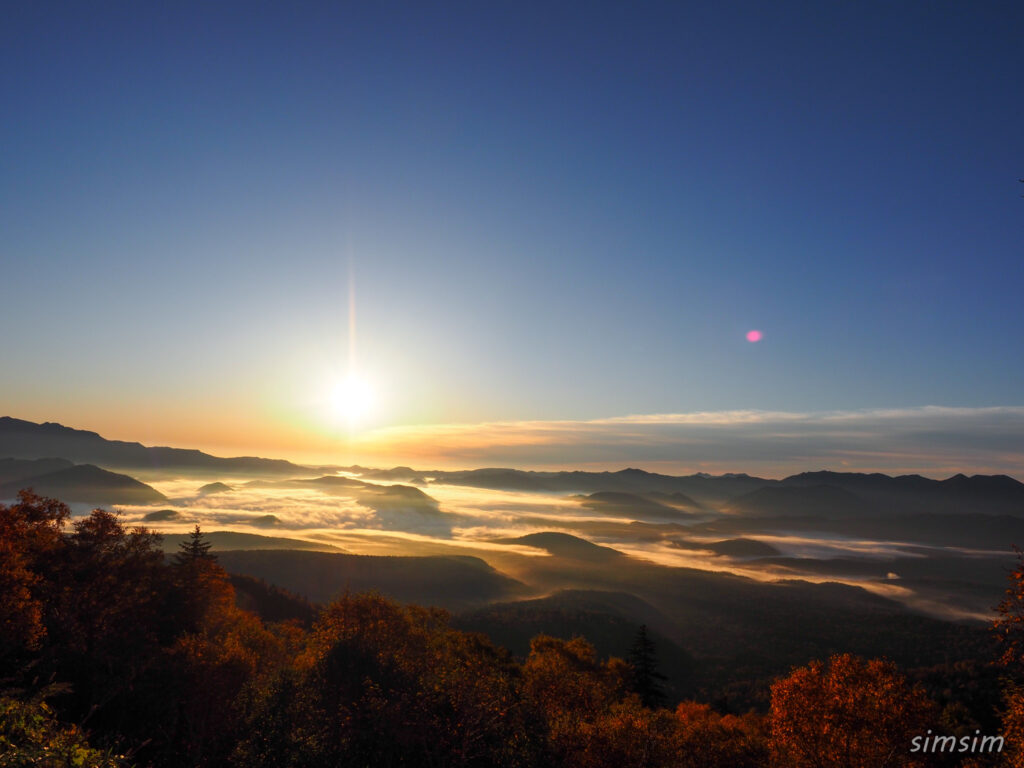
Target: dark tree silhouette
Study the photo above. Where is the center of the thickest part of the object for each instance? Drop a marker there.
(647, 680)
(194, 548)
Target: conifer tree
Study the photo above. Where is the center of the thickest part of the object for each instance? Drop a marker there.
(193, 549)
(647, 679)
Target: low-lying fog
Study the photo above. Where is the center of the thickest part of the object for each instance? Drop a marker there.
(376, 517)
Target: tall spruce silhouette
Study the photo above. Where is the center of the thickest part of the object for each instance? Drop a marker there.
(194, 548)
(647, 680)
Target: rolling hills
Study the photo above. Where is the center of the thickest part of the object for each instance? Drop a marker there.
(85, 483)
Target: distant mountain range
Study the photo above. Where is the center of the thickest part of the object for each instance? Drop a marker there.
(55, 448)
(702, 488)
(988, 494)
(28, 440)
(833, 494)
(783, 499)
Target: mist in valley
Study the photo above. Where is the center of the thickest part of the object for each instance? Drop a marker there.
(933, 573)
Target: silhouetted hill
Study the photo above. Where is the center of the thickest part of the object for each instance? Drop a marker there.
(501, 479)
(564, 545)
(741, 548)
(28, 440)
(635, 506)
(676, 499)
(395, 474)
(161, 516)
(608, 620)
(87, 484)
(397, 497)
(913, 494)
(815, 500)
(861, 481)
(271, 603)
(327, 483)
(454, 583)
(996, 493)
(217, 487)
(12, 470)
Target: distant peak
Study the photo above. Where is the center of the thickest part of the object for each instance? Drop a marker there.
(564, 545)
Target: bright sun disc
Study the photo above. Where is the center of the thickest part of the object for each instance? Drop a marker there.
(352, 399)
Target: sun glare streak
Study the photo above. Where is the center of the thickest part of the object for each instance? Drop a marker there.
(351, 314)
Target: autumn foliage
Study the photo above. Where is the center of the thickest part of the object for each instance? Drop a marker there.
(1009, 629)
(847, 713)
(30, 534)
(113, 654)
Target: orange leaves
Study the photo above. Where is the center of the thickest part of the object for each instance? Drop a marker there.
(570, 687)
(590, 719)
(705, 737)
(1009, 627)
(30, 531)
(383, 683)
(593, 722)
(1009, 630)
(849, 712)
(159, 652)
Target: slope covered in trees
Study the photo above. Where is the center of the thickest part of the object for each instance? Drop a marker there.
(112, 654)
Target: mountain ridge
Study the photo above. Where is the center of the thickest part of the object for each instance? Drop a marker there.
(903, 494)
(85, 483)
(23, 439)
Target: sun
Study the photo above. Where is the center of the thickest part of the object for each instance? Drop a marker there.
(352, 400)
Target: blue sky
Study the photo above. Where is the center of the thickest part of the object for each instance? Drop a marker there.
(568, 211)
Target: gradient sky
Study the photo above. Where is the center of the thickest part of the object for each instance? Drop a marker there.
(544, 212)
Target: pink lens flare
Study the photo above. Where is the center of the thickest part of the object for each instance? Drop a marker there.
(754, 336)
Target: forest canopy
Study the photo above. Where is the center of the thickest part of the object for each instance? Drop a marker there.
(112, 654)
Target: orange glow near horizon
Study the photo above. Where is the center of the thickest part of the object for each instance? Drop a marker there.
(309, 433)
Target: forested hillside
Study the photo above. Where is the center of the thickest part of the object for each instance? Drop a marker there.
(112, 654)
